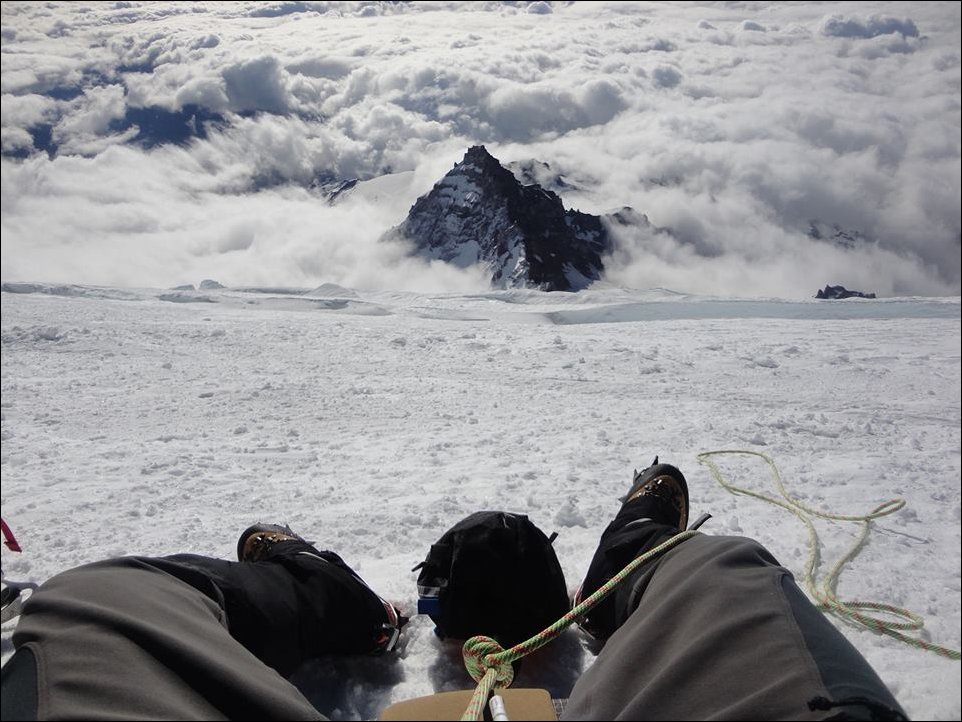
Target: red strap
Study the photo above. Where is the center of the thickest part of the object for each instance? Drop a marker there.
(8, 538)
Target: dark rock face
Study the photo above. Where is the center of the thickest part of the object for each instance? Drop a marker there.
(847, 238)
(836, 292)
(479, 212)
(332, 189)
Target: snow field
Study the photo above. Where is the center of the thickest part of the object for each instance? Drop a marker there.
(132, 425)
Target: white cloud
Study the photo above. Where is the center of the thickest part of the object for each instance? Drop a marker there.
(16, 140)
(539, 8)
(734, 137)
(274, 10)
(153, 230)
(92, 113)
(207, 92)
(25, 111)
(257, 84)
(524, 111)
(321, 66)
(841, 26)
(666, 76)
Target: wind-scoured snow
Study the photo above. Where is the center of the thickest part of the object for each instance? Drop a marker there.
(133, 422)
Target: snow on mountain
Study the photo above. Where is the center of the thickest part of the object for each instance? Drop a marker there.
(480, 213)
(536, 172)
(333, 190)
(373, 421)
(390, 187)
(848, 238)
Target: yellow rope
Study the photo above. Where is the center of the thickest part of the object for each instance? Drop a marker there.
(491, 666)
(849, 611)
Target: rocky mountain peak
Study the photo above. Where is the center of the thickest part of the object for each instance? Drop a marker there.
(480, 213)
(837, 292)
(478, 156)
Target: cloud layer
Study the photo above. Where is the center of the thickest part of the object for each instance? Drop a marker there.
(160, 143)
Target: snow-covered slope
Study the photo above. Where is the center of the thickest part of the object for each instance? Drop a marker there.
(152, 422)
(384, 187)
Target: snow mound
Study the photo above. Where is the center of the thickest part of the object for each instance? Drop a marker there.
(186, 297)
(331, 290)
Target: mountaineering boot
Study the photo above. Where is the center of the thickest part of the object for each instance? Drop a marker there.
(654, 509)
(256, 542)
(667, 485)
(268, 542)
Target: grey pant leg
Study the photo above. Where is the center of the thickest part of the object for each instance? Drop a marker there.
(122, 639)
(721, 631)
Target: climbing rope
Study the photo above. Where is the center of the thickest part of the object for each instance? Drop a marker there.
(849, 611)
(491, 666)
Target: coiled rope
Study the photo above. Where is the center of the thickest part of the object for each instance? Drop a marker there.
(849, 611)
(490, 666)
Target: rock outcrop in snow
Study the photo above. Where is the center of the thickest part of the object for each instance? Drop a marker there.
(835, 292)
(480, 213)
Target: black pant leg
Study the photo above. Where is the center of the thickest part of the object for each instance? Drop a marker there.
(291, 607)
(126, 639)
(630, 534)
